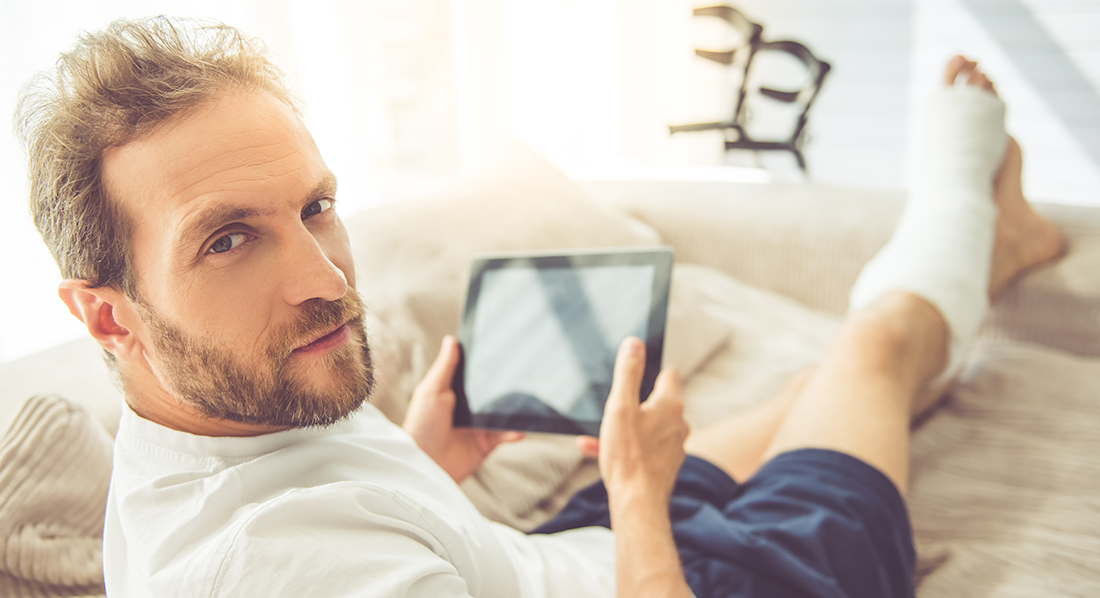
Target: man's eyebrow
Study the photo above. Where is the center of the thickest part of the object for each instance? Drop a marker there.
(327, 186)
(216, 216)
(210, 219)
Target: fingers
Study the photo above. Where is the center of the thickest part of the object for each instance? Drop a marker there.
(497, 438)
(627, 380)
(588, 446)
(443, 368)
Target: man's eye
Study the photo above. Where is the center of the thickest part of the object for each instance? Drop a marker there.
(321, 205)
(227, 242)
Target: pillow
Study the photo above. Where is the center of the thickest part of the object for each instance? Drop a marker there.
(413, 261)
(55, 468)
(772, 338)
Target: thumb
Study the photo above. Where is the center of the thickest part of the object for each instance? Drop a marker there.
(629, 367)
(443, 368)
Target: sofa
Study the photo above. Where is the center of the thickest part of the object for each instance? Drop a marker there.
(1005, 477)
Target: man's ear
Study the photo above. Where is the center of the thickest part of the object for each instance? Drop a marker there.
(103, 311)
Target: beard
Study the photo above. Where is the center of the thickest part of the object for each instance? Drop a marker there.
(220, 385)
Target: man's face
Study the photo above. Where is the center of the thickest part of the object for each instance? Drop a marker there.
(246, 285)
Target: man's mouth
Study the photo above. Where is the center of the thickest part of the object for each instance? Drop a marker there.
(333, 338)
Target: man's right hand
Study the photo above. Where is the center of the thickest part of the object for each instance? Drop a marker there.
(641, 445)
(641, 448)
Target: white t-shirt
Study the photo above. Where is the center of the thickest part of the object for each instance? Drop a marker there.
(353, 510)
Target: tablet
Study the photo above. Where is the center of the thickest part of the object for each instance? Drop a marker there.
(540, 333)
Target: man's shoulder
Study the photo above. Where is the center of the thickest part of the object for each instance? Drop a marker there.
(325, 536)
(360, 491)
(163, 479)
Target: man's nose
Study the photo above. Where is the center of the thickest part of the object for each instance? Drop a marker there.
(311, 274)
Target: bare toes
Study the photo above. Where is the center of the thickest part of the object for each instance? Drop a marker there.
(955, 66)
(977, 78)
(986, 84)
(959, 66)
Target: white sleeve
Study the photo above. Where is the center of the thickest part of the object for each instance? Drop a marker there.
(345, 541)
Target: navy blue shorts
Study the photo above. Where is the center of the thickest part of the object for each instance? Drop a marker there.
(811, 522)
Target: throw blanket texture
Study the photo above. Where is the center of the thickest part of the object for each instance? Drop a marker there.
(55, 465)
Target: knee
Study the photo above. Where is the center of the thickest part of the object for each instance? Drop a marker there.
(895, 333)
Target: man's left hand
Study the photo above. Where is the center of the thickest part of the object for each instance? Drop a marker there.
(429, 420)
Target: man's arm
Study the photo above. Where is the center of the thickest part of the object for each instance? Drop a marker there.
(640, 450)
(646, 562)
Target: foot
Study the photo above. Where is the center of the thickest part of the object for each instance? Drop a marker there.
(962, 134)
(1024, 239)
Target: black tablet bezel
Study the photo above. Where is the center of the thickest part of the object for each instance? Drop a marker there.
(660, 258)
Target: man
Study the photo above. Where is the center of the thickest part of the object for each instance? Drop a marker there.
(191, 215)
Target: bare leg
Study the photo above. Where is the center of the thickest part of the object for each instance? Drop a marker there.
(861, 399)
(858, 401)
(737, 443)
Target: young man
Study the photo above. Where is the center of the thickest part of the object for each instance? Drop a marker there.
(191, 215)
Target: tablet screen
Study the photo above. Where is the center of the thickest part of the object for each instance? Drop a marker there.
(541, 333)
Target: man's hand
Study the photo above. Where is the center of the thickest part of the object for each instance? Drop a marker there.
(641, 445)
(430, 422)
(641, 448)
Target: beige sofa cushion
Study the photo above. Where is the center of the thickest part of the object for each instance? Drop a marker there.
(772, 338)
(412, 258)
(807, 242)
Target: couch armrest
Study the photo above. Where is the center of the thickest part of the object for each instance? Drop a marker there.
(809, 242)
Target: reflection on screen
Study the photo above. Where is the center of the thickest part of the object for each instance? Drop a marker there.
(546, 338)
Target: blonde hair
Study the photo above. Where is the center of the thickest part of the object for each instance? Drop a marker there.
(113, 87)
